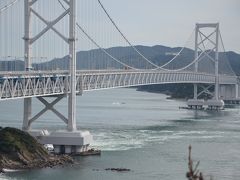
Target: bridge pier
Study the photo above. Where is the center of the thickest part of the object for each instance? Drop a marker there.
(27, 58)
(71, 139)
(72, 67)
(27, 113)
(236, 91)
(230, 93)
(214, 103)
(196, 103)
(195, 91)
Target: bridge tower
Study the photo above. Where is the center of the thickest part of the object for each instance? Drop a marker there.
(71, 140)
(27, 58)
(215, 102)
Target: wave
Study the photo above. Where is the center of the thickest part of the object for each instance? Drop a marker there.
(119, 140)
(160, 128)
(11, 170)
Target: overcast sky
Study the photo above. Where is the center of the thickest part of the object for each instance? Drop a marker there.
(170, 22)
(144, 22)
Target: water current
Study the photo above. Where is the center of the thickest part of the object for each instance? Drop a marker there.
(142, 131)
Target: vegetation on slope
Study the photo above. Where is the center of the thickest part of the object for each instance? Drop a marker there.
(176, 91)
(19, 150)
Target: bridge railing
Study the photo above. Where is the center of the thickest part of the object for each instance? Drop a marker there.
(34, 84)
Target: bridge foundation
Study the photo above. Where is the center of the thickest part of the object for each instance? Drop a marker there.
(70, 141)
(210, 104)
(195, 104)
(64, 142)
(214, 104)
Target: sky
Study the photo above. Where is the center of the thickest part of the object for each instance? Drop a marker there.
(170, 22)
(144, 22)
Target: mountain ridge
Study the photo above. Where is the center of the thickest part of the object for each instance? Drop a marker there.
(158, 54)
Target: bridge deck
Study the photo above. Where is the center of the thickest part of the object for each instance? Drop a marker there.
(45, 83)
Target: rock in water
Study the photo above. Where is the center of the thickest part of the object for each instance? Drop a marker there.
(118, 169)
(19, 150)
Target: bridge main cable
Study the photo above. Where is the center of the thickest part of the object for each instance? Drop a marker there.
(130, 44)
(96, 44)
(139, 53)
(124, 64)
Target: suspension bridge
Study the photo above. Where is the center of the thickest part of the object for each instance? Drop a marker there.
(61, 48)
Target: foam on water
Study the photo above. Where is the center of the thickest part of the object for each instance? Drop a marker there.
(117, 140)
(157, 130)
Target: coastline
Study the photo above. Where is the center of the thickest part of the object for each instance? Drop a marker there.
(20, 151)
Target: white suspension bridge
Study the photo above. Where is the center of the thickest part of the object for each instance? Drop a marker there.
(44, 63)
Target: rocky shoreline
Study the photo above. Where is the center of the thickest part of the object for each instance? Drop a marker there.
(56, 160)
(19, 151)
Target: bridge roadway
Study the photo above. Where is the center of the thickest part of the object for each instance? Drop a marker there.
(23, 84)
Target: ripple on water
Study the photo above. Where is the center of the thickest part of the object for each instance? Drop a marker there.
(133, 138)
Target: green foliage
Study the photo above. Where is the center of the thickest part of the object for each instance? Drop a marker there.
(178, 91)
(13, 141)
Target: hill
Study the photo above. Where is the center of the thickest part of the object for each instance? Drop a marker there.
(19, 150)
(157, 54)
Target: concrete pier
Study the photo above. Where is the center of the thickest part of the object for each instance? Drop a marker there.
(195, 103)
(200, 104)
(215, 104)
(64, 142)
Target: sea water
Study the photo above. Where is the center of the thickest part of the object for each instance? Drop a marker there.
(142, 131)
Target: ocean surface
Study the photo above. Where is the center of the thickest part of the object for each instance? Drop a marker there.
(142, 131)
